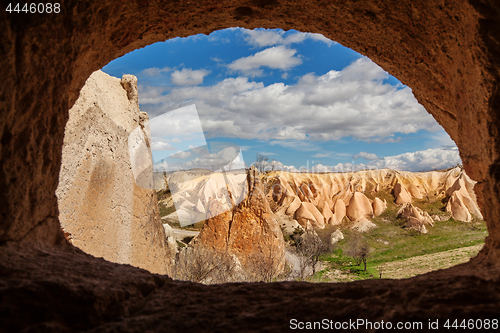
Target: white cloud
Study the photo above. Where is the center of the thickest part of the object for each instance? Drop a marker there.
(430, 159)
(353, 102)
(159, 144)
(154, 71)
(276, 57)
(162, 166)
(275, 165)
(295, 144)
(181, 126)
(321, 155)
(366, 156)
(181, 154)
(188, 76)
(321, 38)
(174, 124)
(214, 161)
(264, 38)
(442, 139)
(425, 160)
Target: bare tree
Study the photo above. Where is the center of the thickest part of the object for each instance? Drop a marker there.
(364, 252)
(265, 265)
(274, 163)
(202, 265)
(309, 248)
(358, 249)
(260, 162)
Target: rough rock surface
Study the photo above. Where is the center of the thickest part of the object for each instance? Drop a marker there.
(318, 217)
(447, 52)
(304, 216)
(101, 209)
(339, 211)
(415, 218)
(337, 194)
(402, 195)
(359, 207)
(461, 203)
(336, 236)
(379, 206)
(250, 229)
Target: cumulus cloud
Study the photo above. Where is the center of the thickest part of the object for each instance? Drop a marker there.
(264, 38)
(162, 166)
(188, 76)
(442, 139)
(276, 57)
(181, 154)
(321, 155)
(274, 165)
(353, 102)
(438, 158)
(160, 144)
(366, 156)
(180, 127)
(216, 160)
(154, 71)
(425, 160)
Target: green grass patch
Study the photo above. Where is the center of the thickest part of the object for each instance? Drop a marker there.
(164, 211)
(391, 242)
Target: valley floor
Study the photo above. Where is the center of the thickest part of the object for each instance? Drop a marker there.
(406, 268)
(429, 262)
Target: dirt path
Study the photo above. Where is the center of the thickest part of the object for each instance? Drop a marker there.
(430, 262)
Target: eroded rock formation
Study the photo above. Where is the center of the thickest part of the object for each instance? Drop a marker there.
(337, 195)
(250, 231)
(415, 218)
(101, 209)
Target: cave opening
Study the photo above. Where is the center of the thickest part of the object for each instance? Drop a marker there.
(327, 126)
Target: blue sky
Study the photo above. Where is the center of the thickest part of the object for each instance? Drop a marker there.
(298, 98)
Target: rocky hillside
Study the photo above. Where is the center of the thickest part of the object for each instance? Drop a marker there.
(315, 200)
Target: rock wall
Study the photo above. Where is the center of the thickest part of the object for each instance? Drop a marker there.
(101, 209)
(250, 231)
(342, 194)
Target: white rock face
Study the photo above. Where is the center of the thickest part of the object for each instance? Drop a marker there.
(402, 195)
(462, 201)
(101, 208)
(379, 206)
(336, 236)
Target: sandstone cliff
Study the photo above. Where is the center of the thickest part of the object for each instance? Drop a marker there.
(334, 196)
(250, 231)
(101, 209)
